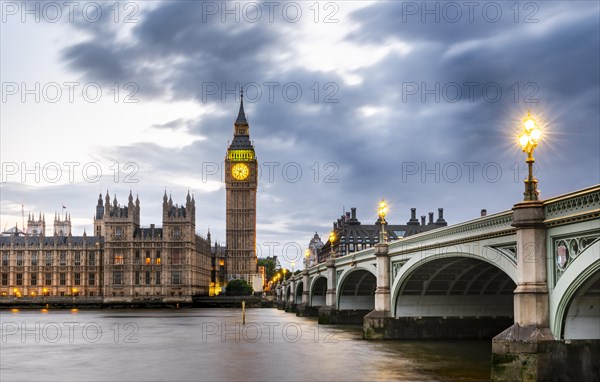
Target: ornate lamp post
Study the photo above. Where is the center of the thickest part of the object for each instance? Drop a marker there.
(331, 240)
(306, 257)
(382, 210)
(528, 140)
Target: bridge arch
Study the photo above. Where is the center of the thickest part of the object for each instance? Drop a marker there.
(356, 288)
(288, 292)
(318, 289)
(454, 285)
(298, 292)
(574, 307)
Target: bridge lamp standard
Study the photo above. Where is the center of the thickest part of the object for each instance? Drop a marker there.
(528, 140)
(306, 256)
(382, 210)
(331, 240)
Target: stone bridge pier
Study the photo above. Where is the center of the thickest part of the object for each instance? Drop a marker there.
(522, 352)
(328, 313)
(374, 323)
(304, 309)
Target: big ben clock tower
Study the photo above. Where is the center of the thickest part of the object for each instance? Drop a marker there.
(241, 180)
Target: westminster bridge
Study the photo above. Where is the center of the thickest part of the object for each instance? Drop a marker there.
(528, 277)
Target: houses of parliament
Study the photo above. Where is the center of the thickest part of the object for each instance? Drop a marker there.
(122, 261)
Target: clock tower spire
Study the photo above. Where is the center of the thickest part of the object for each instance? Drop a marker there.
(241, 182)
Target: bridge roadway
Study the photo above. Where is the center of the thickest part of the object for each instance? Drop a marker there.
(528, 277)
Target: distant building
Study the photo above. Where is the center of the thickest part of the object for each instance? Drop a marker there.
(122, 262)
(314, 247)
(218, 269)
(352, 236)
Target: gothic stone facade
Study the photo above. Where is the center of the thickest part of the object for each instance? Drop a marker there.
(122, 262)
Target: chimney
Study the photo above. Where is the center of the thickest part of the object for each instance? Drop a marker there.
(413, 217)
(440, 220)
(422, 219)
(483, 212)
(430, 218)
(353, 209)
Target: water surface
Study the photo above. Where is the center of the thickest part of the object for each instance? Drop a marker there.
(212, 345)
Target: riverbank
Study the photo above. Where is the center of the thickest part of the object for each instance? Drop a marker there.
(139, 303)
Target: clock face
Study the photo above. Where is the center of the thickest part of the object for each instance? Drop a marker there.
(240, 171)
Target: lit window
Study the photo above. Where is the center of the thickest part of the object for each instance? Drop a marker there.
(148, 261)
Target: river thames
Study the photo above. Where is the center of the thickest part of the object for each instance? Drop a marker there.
(213, 345)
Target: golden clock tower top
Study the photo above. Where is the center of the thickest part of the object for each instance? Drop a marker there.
(241, 148)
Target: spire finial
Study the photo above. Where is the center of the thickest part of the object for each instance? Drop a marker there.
(241, 118)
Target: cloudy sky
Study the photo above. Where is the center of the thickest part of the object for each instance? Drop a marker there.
(348, 102)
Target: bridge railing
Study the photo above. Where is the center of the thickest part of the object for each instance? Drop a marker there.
(565, 208)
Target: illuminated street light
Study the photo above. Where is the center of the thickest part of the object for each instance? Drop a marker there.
(306, 257)
(331, 240)
(382, 210)
(528, 140)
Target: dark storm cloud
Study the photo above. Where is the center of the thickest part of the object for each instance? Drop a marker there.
(173, 51)
(97, 61)
(449, 22)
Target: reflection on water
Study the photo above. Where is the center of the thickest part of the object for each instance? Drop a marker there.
(211, 344)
